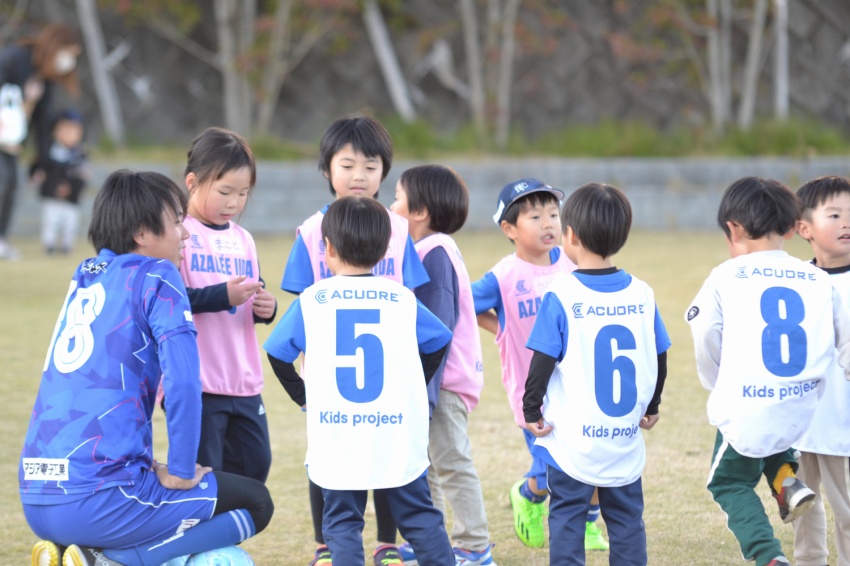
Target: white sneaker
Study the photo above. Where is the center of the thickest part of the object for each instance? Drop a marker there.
(7, 252)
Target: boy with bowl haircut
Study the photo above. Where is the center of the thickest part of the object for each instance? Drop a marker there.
(595, 379)
(825, 448)
(361, 391)
(766, 326)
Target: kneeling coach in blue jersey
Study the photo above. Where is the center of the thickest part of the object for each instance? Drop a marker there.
(88, 480)
(363, 337)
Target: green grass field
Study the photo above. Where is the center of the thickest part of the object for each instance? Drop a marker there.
(683, 524)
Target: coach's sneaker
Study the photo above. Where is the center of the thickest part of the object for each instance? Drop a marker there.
(387, 555)
(593, 539)
(322, 557)
(46, 553)
(795, 499)
(472, 558)
(407, 554)
(779, 561)
(528, 518)
(84, 556)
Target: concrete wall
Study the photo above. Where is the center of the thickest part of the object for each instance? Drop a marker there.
(665, 193)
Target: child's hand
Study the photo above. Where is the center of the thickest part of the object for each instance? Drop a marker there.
(264, 303)
(540, 428)
(648, 421)
(239, 292)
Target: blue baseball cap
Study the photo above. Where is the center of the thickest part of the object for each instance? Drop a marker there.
(518, 189)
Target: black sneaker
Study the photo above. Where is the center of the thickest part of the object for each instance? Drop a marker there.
(795, 499)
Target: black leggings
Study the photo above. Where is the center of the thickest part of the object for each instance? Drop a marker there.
(238, 492)
(383, 515)
(8, 187)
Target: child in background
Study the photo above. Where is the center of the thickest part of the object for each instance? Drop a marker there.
(358, 408)
(222, 275)
(595, 372)
(88, 479)
(765, 326)
(355, 156)
(61, 175)
(529, 216)
(825, 447)
(435, 202)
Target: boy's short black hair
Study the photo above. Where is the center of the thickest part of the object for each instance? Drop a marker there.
(601, 217)
(128, 202)
(760, 206)
(359, 229)
(440, 191)
(365, 134)
(817, 191)
(537, 198)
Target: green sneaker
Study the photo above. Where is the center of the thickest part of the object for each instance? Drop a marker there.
(528, 518)
(593, 539)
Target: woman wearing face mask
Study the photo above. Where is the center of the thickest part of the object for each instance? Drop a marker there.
(29, 73)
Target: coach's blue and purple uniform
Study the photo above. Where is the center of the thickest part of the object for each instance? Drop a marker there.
(125, 323)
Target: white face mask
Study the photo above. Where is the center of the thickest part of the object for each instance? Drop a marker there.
(64, 63)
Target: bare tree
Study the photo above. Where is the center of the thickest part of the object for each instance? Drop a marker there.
(506, 73)
(474, 68)
(719, 60)
(104, 84)
(253, 71)
(237, 106)
(751, 67)
(780, 90)
(387, 59)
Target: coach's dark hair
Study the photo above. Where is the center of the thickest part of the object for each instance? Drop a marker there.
(364, 133)
(441, 192)
(215, 152)
(760, 206)
(128, 202)
(537, 198)
(819, 190)
(601, 217)
(359, 229)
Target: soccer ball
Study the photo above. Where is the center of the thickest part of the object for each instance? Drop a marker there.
(227, 556)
